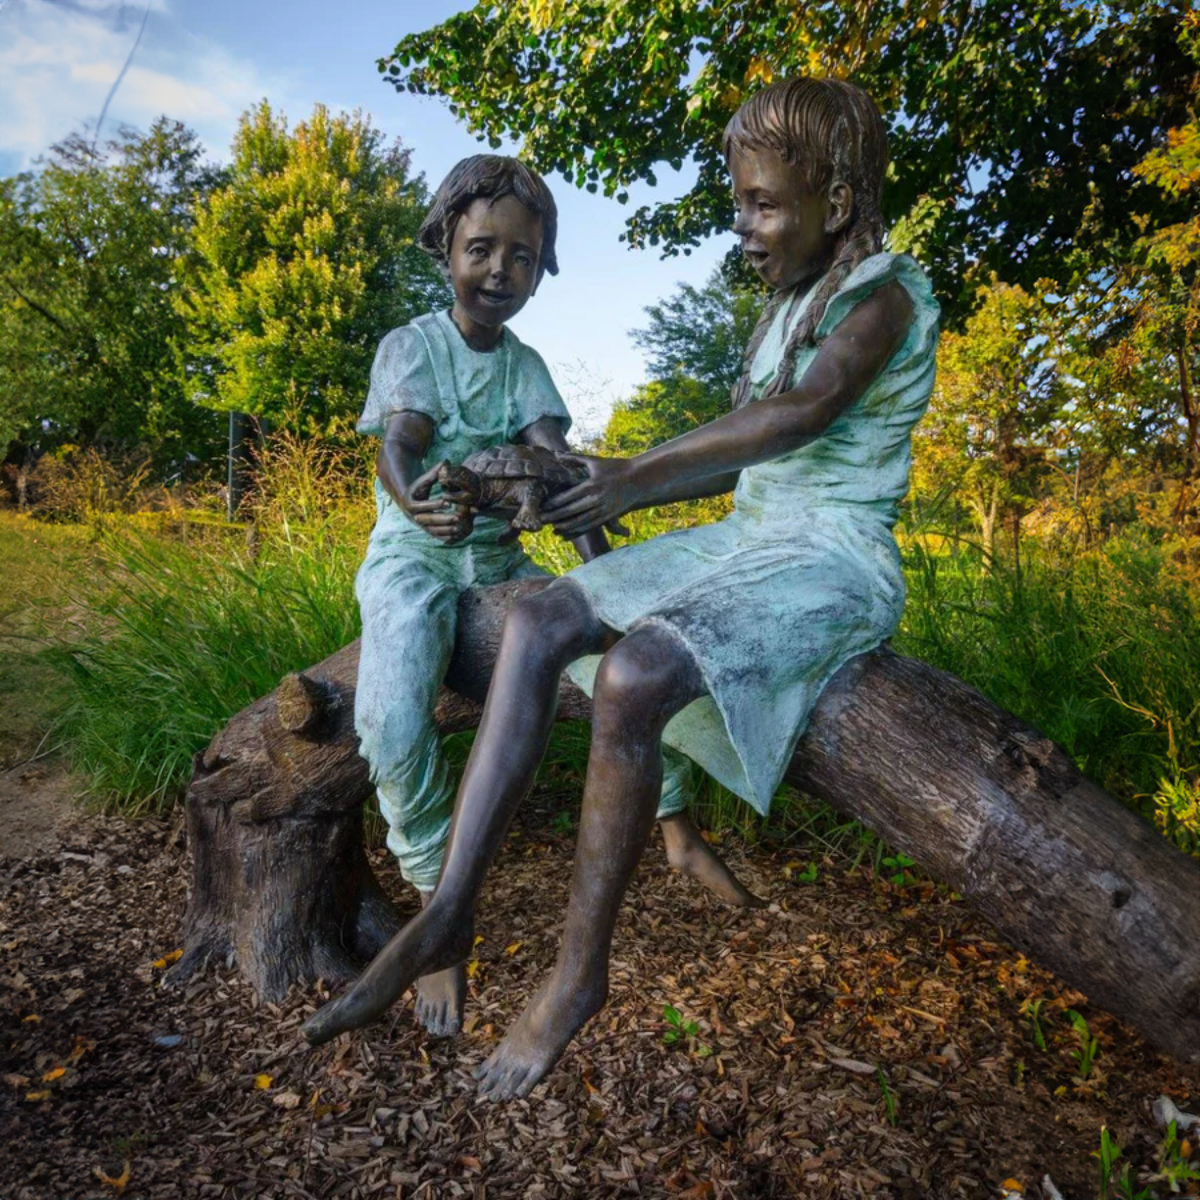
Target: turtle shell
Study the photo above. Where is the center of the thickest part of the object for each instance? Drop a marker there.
(509, 461)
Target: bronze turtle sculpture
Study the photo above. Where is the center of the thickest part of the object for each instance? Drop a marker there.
(511, 481)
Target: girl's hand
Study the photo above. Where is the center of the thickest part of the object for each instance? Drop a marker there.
(607, 493)
(439, 518)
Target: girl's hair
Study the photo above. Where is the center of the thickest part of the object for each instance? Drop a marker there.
(488, 177)
(833, 131)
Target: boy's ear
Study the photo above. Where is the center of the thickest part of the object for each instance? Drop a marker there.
(841, 207)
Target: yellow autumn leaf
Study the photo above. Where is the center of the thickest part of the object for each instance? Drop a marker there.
(31, 1017)
(56, 1073)
(512, 949)
(1013, 1185)
(37, 1096)
(472, 968)
(478, 940)
(262, 1082)
(119, 1184)
(167, 959)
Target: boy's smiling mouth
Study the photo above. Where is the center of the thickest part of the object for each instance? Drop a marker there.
(494, 297)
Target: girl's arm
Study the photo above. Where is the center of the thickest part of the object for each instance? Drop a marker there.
(547, 432)
(406, 440)
(846, 364)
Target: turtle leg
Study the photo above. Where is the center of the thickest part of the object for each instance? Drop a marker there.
(528, 516)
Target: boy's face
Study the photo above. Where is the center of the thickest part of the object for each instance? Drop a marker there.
(494, 263)
(785, 229)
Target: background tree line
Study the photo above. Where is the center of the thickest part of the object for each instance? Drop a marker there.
(143, 291)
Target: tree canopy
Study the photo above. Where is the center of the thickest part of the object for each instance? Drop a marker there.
(305, 258)
(91, 249)
(1015, 127)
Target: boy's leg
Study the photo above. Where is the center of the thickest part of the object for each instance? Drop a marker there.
(643, 681)
(541, 635)
(408, 634)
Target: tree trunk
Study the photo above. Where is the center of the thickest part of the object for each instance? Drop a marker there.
(981, 800)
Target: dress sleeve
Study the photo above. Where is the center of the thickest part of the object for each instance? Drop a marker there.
(873, 273)
(532, 394)
(402, 379)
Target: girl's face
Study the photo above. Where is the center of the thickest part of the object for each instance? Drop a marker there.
(493, 265)
(788, 233)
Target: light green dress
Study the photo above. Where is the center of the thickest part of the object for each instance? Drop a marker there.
(805, 572)
(409, 583)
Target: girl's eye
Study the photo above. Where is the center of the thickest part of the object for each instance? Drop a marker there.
(477, 252)
(524, 260)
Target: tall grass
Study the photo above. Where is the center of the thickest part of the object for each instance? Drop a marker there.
(183, 634)
(1098, 648)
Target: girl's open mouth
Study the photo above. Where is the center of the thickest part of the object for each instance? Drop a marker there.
(495, 297)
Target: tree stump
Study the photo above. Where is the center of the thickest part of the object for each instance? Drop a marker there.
(980, 799)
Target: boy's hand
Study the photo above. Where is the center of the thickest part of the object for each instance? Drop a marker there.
(606, 494)
(439, 518)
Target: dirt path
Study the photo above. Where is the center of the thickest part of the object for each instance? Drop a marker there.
(36, 800)
(859, 1038)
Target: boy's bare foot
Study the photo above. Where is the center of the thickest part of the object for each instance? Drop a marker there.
(688, 852)
(441, 996)
(435, 940)
(536, 1042)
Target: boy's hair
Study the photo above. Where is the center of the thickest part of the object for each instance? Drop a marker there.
(834, 132)
(488, 177)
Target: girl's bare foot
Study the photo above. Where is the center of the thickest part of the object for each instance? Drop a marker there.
(535, 1043)
(688, 852)
(436, 939)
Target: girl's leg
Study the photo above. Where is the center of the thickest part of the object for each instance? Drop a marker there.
(541, 635)
(643, 681)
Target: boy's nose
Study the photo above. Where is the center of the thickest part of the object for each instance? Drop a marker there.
(500, 267)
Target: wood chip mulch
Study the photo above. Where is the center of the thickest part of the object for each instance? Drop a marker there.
(857, 1038)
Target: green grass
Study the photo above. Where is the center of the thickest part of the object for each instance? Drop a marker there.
(184, 623)
(35, 560)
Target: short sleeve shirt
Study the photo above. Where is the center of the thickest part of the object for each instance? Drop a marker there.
(475, 399)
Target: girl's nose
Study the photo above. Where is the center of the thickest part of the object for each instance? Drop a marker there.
(741, 226)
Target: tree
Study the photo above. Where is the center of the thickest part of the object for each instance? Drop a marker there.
(985, 437)
(305, 259)
(695, 341)
(91, 248)
(1010, 123)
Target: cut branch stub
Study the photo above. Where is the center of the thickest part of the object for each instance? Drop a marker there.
(305, 705)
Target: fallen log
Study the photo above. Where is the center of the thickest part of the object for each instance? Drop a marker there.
(980, 799)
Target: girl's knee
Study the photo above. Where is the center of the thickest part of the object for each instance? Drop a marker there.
(646, 677)
(545, 624)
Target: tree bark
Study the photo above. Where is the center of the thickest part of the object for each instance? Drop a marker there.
(980, 799)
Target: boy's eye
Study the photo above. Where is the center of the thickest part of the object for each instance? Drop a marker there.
(524, 259)
(477, 252)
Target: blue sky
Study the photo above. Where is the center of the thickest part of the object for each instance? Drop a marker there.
(205, 61)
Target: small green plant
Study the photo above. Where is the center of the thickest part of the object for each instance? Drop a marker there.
(1089, 1048)
(1033, 1010)
(890, 1107)
(1174, 1165)
(1112, 1177)
(562, 823)
(680, 1032)
(900, 866)
(809, 874)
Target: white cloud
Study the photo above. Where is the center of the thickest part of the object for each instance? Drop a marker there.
(59, 58)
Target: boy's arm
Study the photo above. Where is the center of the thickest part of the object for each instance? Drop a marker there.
(547, 432)
(406, 440)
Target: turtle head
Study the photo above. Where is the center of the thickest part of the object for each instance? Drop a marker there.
(459, 484)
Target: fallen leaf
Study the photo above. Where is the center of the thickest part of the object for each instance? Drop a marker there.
(174, 956)
(35, 1097)
(31, 1017)
(262, 1082)
(470, 1162)
(15, 1081)
(119, 1184)
(513, 948)
(56, 1073)
(1013, 1185)
(700, 1191)
(286, 1100)
(472, 968)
